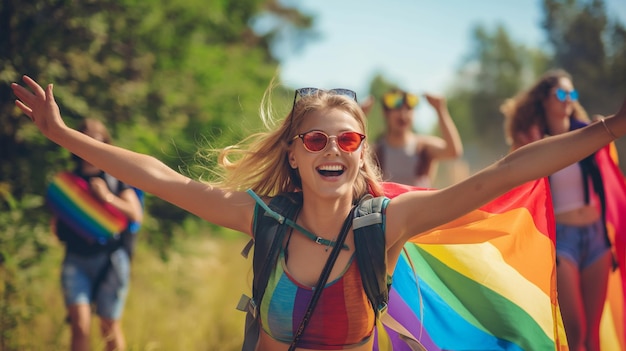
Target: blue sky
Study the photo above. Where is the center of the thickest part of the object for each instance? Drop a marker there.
(417, 43)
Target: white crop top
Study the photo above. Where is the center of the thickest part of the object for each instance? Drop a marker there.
(568, 192)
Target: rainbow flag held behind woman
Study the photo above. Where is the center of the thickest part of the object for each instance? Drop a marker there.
(487, 281)
(70, 198)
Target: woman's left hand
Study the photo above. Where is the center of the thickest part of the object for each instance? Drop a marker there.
(40, 106)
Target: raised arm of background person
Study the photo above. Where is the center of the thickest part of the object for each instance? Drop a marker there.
(415, 212)
(228, 209)
(449, 145)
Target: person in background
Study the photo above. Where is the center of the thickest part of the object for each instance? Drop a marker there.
(92, 272)
(405, 156)
(318, 151)
(551, 107)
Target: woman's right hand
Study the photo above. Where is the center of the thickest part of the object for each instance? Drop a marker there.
(436, 101)
(616, 124)
(40, 106)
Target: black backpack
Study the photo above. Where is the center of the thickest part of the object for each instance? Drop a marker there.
(270, 226)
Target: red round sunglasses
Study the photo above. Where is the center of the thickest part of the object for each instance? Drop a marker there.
(316, 141)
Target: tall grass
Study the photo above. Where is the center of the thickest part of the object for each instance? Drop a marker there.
(186, 303)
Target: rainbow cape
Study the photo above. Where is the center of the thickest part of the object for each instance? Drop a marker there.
(613, 324)
(71, 200)
(485, 281)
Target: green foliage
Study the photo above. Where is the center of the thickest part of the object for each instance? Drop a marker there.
(162, 74)
(590, 45)
(23, 244)
(497, 68)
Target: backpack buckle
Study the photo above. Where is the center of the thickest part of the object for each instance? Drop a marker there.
(247, 304)
(382, 308)
(252, 308)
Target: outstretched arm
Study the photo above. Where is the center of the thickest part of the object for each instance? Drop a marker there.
(415, 212)
(229, 209)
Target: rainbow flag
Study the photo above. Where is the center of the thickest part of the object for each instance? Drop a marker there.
(613, 324)
(70, 199)
(485, 281)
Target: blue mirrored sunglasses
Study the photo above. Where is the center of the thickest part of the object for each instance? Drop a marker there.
(561, 94)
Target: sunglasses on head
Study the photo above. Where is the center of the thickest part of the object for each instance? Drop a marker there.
(316, 141)
(313, 91)
(561, 94)
(337, 91)
(395, 100)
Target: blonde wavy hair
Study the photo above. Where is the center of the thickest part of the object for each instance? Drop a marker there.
(260, 161)
(526, 110)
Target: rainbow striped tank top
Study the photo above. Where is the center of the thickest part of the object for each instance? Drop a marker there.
(343, 315)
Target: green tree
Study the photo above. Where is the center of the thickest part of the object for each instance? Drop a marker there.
(162, 74)
(587, 43)
(495, 69)
(591, 45)
(581, 38)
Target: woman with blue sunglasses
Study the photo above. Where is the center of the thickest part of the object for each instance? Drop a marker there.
(551, 107)
(320, 151)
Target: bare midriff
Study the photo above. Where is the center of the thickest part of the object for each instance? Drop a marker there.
(579, 217)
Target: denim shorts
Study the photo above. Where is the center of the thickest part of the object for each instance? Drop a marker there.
(79, 273)
(581, 245)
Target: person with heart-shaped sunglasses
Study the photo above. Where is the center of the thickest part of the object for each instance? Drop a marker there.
(404, 155)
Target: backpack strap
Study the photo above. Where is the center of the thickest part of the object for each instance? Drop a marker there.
(269, 228)
(371, 253)
(269, 233)
(321, 283)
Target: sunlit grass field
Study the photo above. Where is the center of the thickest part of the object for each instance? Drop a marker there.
(186, 303)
